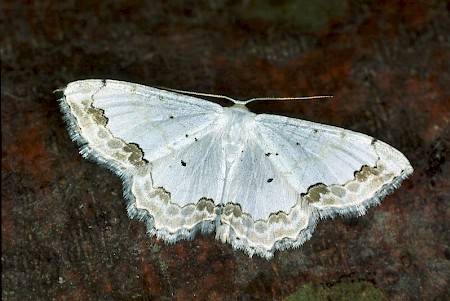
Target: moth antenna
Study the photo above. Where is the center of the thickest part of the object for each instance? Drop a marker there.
(245, 102)
(202, 94)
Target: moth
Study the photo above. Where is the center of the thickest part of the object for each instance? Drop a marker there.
(260, 181)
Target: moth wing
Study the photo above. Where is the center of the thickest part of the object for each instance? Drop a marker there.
(299, 171)
(164, 145)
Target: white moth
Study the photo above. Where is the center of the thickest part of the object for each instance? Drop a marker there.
(261, 181)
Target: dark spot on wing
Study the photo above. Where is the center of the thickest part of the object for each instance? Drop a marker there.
(374, 140)
(136, 154)
(315, 192)
(297, 143)
(161, 193)
(269, 180)
(170, 116)
(268, 154)
(186, 135)
(195, 139)
(98, 115)
(183, 163)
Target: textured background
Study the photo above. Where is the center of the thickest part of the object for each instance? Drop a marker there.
(65, 231)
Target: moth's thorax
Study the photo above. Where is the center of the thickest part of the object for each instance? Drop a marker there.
(238, 129)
